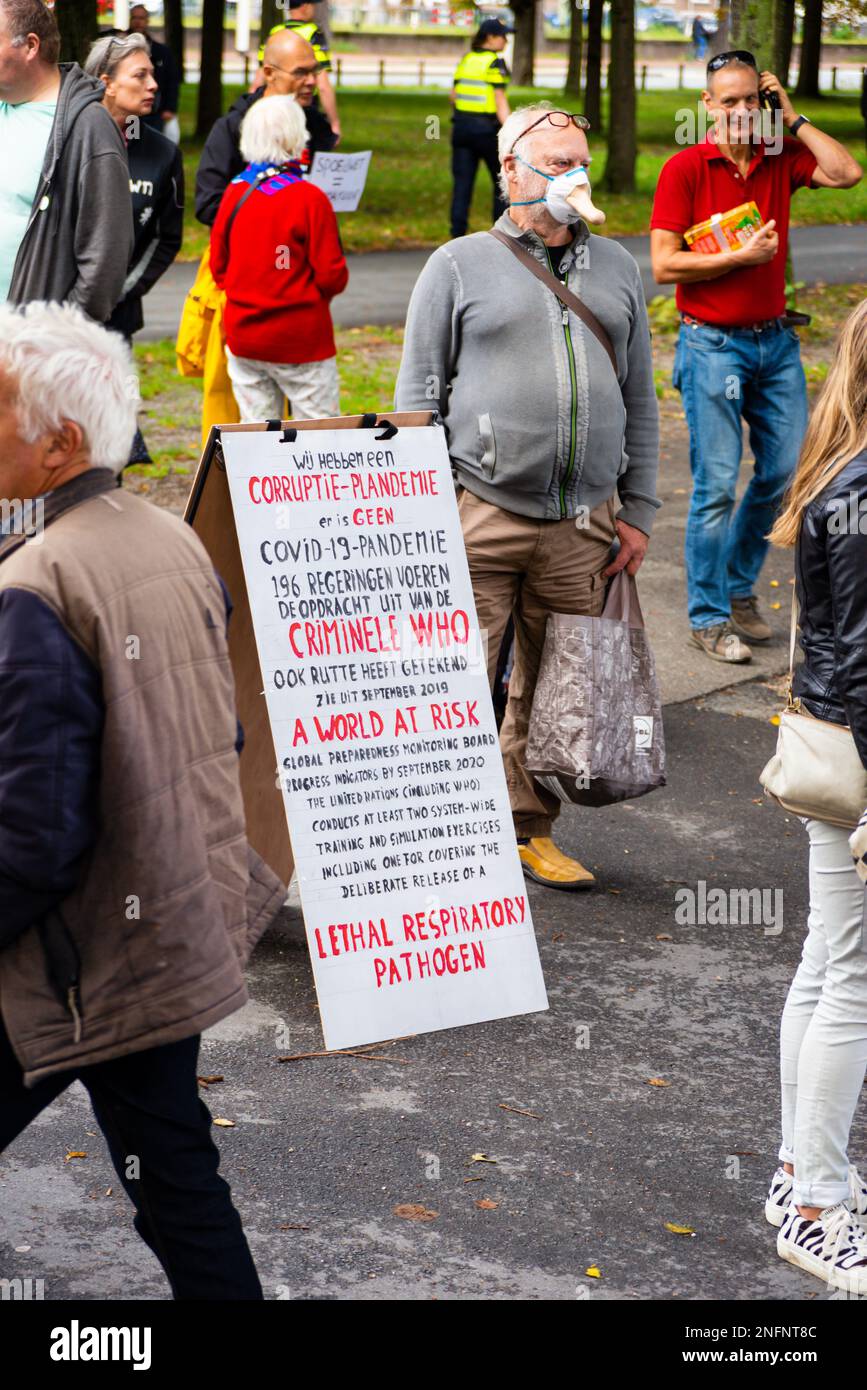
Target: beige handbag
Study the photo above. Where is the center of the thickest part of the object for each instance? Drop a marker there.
(816, 771)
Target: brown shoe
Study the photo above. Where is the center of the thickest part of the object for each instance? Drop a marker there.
(748, 621)
(721, 644)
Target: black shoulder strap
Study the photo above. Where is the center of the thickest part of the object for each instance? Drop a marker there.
(565, 295)
(240, 203)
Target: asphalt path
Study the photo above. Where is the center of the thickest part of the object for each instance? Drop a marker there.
(380, 282)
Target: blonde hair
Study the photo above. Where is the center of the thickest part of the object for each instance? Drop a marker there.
(837, 430)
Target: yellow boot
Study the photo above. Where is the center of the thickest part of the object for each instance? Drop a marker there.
(545, 863)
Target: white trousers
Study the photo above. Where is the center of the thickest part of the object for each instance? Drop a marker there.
(312, 388)
(823, 1034)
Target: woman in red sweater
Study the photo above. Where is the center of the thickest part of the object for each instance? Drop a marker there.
(276, 254)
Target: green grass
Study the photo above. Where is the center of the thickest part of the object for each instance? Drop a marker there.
(406, 202)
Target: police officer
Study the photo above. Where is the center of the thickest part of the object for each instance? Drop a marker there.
(303, 23)
(480, 107)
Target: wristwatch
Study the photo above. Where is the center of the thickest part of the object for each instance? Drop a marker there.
(796, 124)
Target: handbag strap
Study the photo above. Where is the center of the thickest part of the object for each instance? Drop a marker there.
(621, 601)
(251, 188)
(587, 317)
(793, 632)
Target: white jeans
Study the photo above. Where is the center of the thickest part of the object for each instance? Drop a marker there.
(312, 388)
(823, 1034)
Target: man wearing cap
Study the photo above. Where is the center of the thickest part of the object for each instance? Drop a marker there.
(303, 23)
(737, 356)
(480, 108)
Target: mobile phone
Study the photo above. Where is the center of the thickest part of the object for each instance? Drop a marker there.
(769, 100)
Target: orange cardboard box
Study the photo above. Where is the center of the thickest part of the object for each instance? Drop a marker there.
(725, 231)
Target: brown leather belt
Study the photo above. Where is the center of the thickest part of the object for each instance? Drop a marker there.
(734, 327)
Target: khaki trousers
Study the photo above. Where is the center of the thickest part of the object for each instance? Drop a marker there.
(529, 568)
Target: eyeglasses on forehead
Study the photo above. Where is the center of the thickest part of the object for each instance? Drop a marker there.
(559, 119)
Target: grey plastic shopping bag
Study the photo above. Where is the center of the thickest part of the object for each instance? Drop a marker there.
(596, 733)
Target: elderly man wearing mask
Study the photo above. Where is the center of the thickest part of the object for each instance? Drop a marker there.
(542, 429)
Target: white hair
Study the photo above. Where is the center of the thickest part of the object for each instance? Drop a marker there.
(106, 55)
(67, 368)
(513, 128)
(273, 130)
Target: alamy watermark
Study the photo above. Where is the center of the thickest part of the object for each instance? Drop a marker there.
(719, 907)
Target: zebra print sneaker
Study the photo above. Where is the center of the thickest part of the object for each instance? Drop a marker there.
(834, 1247)
(780, 1196)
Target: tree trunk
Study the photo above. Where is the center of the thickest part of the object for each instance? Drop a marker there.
(211, 79)
(593, 71)
(576, 36)
(525, 42)
(174, 32)
(784, 29)
(79, 26)
(751, 26)
(271, 15)
(620, 166)
(811, 50)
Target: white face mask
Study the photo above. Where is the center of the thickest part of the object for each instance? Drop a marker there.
(568, 198)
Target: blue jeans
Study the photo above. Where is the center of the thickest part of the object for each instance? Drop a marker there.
(722, 376)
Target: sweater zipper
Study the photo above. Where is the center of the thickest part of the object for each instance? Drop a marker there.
(573, 411)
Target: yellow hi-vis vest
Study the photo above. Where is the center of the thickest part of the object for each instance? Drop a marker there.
(308, 30)
(476, 76)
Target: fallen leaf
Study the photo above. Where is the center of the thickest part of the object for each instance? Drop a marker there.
(663, 936)
(474, 1180)
(775, 719)
(225, 1124)
(22, 1249)
(678, 1230)
(108, 1192)
(482, 1158)
(776, 605)
(616, 891)
(209, 1080)
(657, 1081)
(74, 1153)
(414, 1211)
(594, 1272)
(293, 1227)
(775, 583)
(485, 1204)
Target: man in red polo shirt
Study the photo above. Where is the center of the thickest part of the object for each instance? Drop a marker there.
(736, 356)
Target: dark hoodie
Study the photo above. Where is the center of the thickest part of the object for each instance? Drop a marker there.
(222, 160)
(78, 240)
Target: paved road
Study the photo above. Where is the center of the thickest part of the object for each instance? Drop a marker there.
(324, 1149)
(380, 283)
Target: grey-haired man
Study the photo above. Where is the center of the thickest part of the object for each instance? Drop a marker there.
(541, 432)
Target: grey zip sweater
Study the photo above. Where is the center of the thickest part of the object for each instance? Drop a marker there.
(78, 240)
(534, 418)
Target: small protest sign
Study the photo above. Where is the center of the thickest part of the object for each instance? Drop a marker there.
(341, 176)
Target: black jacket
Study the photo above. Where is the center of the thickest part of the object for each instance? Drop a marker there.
(831, 583)
(222, 159)
(156, 184)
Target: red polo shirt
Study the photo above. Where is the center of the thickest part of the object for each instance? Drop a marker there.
(699, 181)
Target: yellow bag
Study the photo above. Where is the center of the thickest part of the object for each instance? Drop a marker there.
(201, 349)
